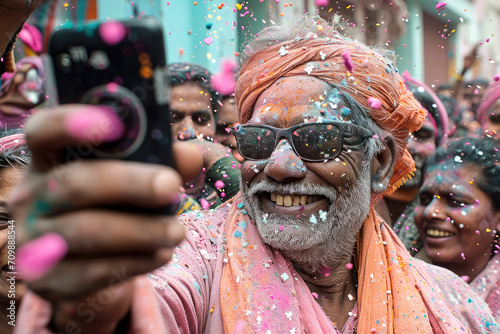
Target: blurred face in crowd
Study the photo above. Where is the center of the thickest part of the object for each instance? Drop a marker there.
(227, 116)
(421, 145)
(455, 218)
(492, 124)
(191, 112)
(24, 92)
(472, 97)
(299, 205)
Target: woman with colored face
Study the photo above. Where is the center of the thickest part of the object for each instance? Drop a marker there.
(14, 157)
(459, 213)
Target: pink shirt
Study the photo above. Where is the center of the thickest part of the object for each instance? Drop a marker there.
(188, 292)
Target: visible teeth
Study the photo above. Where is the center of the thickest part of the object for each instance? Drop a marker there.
(303, 199)
(293, 200)
(437, 233)
(279, 200)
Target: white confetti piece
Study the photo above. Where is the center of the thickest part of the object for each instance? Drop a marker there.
(309, 68)
(283, 52)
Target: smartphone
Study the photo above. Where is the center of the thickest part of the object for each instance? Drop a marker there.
(120, 64)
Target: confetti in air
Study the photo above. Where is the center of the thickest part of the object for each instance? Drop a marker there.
(440, 6)
(112, 32)
(208, 40)
(219, 184)
(204, 204)
(321, 2)
(346, 55)
(374, 103)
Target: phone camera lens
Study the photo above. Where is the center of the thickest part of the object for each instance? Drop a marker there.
(130, 109)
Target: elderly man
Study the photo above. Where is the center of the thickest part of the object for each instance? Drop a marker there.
(301, 250)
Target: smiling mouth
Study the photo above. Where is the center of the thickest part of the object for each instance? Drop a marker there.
(438, 233)
(293, 200)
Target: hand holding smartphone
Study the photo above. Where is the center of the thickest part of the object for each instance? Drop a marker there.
(120, 64)
(109, 212)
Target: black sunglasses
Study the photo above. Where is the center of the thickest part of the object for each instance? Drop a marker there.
(310, 141)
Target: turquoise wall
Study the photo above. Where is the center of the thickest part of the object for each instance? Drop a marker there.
(186, 26)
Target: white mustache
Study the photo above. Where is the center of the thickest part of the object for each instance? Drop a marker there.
(292, 189)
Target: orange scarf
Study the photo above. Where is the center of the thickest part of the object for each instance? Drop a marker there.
(261, 291)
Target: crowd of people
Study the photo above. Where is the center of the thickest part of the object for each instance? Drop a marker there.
(317, 190)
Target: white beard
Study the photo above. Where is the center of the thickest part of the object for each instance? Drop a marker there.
(328, 243)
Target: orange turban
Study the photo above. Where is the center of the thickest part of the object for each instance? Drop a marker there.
(373, 75)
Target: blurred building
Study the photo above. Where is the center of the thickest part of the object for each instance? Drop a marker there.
(431, 44)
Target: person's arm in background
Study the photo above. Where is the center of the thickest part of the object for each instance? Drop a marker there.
(469, 61)
(223, 172)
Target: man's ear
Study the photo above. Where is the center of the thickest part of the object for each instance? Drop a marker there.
(382, 165)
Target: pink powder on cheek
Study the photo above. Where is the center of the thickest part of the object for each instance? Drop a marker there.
(38, 256)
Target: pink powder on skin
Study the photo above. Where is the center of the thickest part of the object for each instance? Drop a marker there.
(112, 32)
(38, 256)
(95, 124)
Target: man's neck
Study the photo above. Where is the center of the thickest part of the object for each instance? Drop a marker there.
(336, 292)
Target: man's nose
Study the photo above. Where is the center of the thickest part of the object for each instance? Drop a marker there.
(186, 130)
(284, 165)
